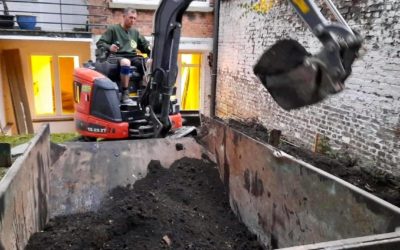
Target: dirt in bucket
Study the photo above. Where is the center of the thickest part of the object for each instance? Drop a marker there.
(341, 164)
(184, 207)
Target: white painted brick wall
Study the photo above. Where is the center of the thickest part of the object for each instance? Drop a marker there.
(365, 115)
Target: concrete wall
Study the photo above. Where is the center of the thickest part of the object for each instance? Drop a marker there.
(24, 192)
(364, 117)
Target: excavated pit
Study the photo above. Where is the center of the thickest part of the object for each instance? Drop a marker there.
(186, 204)
(228, 190)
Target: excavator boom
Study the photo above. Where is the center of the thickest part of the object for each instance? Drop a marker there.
(308, 80)
(164, 69)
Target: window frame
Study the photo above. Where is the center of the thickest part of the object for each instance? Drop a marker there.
(179, 75)
(58, 114)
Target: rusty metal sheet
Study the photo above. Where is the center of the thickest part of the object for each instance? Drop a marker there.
(24, 193)
(388, 241)
(287, 202)
(85, 172)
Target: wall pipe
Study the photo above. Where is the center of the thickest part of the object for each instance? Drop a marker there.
(215, 58)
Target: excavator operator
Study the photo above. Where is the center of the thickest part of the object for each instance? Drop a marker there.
(120, 43)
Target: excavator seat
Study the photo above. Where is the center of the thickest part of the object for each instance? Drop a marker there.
(108, 69)
(111, 69)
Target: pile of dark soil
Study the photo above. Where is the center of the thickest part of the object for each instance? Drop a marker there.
(377, 183)
(184, 207)
(341, 164)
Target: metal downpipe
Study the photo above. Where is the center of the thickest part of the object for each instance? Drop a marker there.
(214, 58)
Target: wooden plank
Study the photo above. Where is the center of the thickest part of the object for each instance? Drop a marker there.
(12, 60)
(9, 112)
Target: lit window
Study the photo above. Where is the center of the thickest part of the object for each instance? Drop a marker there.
(53, 90)
(66, 65)
(43, 87)
(188, 88)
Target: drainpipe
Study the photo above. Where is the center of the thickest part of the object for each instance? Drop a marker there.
(215, 58)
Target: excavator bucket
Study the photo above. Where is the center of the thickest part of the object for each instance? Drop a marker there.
(293, 77)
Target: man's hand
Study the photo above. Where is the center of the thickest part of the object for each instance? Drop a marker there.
(148, 63)
(114, 48)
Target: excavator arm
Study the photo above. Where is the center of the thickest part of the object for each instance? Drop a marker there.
(309, 79)
(164, 70)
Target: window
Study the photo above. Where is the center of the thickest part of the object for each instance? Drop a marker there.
(53, 84)
(43, 88)
(66, 65)
(188, 89)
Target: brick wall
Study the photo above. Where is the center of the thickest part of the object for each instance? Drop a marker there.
(364, 117)
(194, 24)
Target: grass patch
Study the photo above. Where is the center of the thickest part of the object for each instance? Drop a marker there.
(2, 172)
(63, 137)
(16, 140)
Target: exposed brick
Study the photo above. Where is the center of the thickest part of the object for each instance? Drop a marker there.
(366, 113)
(194, 24)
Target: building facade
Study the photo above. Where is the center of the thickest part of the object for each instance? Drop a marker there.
(37, 64)
(64, 38)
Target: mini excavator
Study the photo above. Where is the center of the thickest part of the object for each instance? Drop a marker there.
(293, 77)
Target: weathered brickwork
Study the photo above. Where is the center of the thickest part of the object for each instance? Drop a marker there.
(194, 24)
(364, 117)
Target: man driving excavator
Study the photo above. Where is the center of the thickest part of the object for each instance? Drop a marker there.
(121, 42)
(293, 77)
